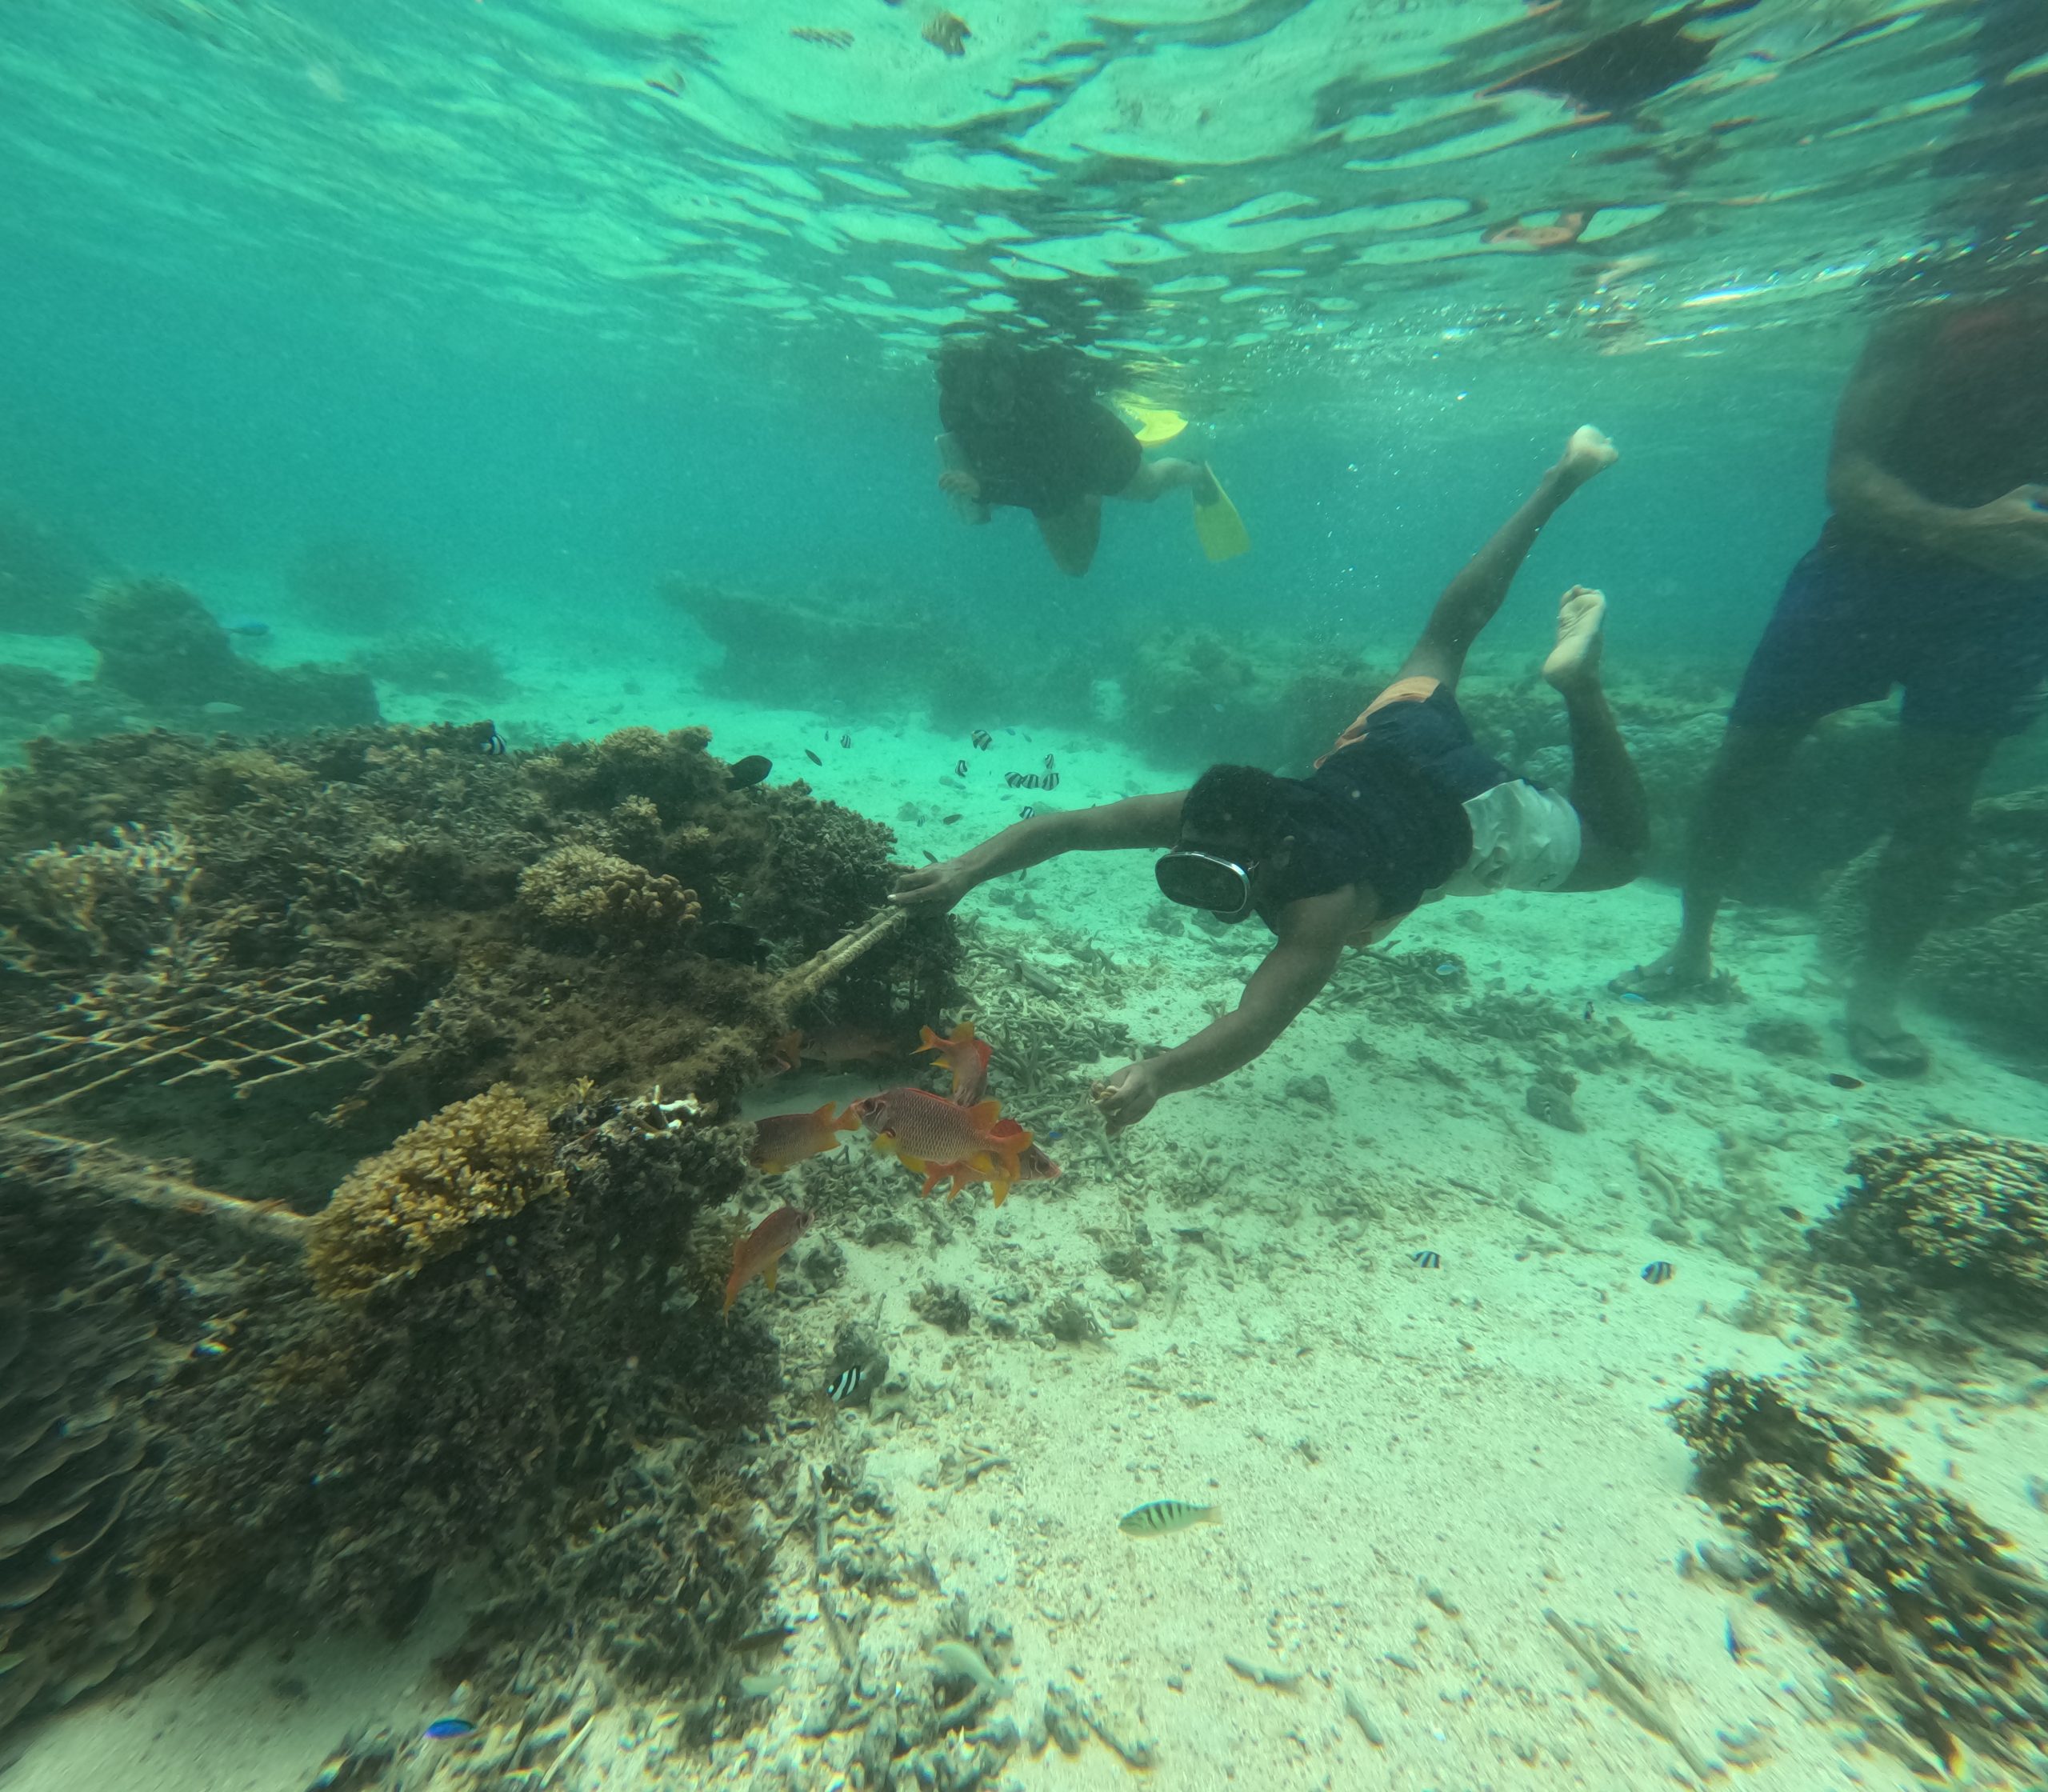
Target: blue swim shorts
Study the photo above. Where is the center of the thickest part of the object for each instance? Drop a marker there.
(1969, 649)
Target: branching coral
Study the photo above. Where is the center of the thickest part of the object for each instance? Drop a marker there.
(1892, 1576)
(1961, 1206)
(475, 1161)
(578, 889)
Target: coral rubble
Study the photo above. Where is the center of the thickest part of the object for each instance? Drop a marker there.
(1894, 1578)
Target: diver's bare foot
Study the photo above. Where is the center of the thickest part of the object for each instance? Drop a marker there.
(1678, 972)
(1587, 453)
(1879, 1041)
(1574, 662)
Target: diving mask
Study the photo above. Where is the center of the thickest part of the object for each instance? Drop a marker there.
(1199, 880)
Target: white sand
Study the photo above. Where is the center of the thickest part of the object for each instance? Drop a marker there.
(1493, 1429)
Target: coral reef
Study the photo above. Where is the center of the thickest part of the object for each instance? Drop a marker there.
(1956, 1211)
(392, 919)
(1988, 959)
(1894, 1578)
(535, 1401)
(475, 1162)
(437, 663)
(161, 649)
(44, 574)
(348, 583)
(579, 889)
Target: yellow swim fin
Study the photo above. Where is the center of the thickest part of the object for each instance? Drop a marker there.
(1219, 528)
(1153, 424)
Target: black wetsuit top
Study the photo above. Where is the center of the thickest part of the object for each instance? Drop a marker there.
(1056, 448)
(1387, 812)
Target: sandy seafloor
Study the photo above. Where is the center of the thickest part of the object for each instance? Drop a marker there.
(1412, 1464)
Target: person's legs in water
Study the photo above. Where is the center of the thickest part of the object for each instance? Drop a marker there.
(1751, 761)
(1154, 479)
(1613, 817)
(1936, 780)
(1071, 535)
(1475, 595)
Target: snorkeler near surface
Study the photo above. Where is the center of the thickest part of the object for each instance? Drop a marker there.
(1020, 430)
(1403, 809)
(1931, 574)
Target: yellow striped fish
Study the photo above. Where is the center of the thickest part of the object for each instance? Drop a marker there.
(1161, 1518)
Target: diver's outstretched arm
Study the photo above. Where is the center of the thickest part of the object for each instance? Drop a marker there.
(1472, 599)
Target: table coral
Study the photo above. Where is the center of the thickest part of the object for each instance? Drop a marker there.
(484, 1159)
(1894, 1577)
(578, 889)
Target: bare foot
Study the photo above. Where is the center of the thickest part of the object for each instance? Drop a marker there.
(1587, 453)
(1879, 1041)
(1574, 662)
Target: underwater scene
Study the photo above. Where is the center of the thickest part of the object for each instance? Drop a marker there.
(1056, 896)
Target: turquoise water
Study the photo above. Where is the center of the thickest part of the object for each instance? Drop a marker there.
(433, 345)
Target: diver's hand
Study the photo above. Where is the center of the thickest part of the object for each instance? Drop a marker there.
(955, 483)
(2008, 536)
(1128, 1096)
(933, 888)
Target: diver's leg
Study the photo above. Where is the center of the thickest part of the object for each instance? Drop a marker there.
(1613, 817)
(1154, 479)
(1752, 758)
(1470, 600)
(1071, 535)
(1937, 774)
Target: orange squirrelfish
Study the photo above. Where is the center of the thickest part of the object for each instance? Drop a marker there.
(966, 1057)
(941, 1138)
(783, 1139)
(1032, 1165)
(758, 1254)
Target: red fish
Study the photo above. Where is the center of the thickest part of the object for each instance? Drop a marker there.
(1032, 1165)
(940, 1138)
(783, 1139)
(966, 1057)
(786, 1053)
(848, 1045)
(761, 1251)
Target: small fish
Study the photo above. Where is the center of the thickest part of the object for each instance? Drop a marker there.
(983, 740)
(831, 40)
(1428, 1259)
(1013, 778)
(960, 768)
(1448, 969)
(1842, 1080)
(1737, 1648)
(210, 1347)
(1025, 814)
(962, 1661)
(941, 1139)
(744, 774)
(448, 1729)
(1056, 1134)
(1032, 781)
(846, 1385)
(812, 757)
(846, 740)
(1161, 1518)
(253, 628)
(1048, 761)
(783, 1139)
(947, 33)
(1792, 1213)
(786, 1053)
(947, 820)
(1588, 1014)
(1634, 995)
(931, 857)
(964, 1055)
(760, 1252)
(494, 742)
(1052, 781)
(1659, 1273)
